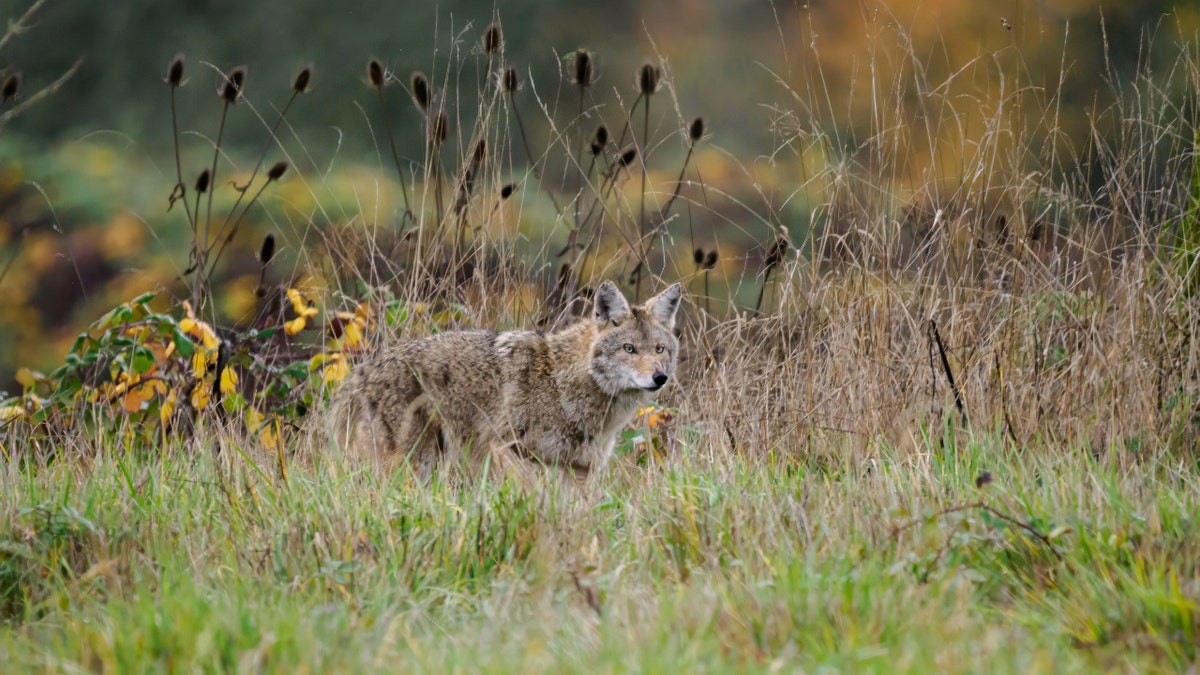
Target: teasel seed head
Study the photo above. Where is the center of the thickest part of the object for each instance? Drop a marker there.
(12, 87)
(649, 79)
(277, 170)
(507, 190)
(628, 155)
(584, 69)
(778, 250)
(175, 71)
(231, 88)
(710, 261)
(302, 80)
(268, 249)
(698, 257)
(439, 128)
(599, 140)
(493, 39)
(202, 182)
(480, 153)
(419, 84)
(376, 75)
(696, 129)
(510, 81)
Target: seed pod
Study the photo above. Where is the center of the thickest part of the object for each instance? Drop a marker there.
(375, 73)
(492, 39)
(599, 140)
(268, 249)
(696, 129)
(778, 250)
(439, 128)
(12, 86)
(420, 90)
(628, 155)
(506, 191)
(711, 260)
(583, 68)
(175, 71)
(649, 79)
(698, 257)
(231, 89)
(277, 170)
(300, 84)
(202, 182)
(510, 80)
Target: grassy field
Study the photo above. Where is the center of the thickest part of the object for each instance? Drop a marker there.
(899, 562)
(937, 409)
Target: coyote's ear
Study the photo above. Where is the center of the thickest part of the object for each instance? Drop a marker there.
(611, 306)
(664, 305)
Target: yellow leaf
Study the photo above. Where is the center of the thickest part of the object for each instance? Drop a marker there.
(229, 380)
(26, 378)
(300, 305)
(317, 360)
(336, 371)
(9, 413)
(352, 337)
(167, 409)
(270, 437)
(201, 394)
(294, 326)
(199, 364)
(254, 419)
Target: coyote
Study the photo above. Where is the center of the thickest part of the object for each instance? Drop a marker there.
(557, 399)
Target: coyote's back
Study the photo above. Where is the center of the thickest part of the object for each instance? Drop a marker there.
(557, 399)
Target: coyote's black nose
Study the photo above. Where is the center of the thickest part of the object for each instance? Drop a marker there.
(660, 378)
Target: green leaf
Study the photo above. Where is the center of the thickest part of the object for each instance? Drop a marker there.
(183, 344)
(143, 360)
(68, 386)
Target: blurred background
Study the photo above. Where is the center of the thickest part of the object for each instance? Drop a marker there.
(85, 174)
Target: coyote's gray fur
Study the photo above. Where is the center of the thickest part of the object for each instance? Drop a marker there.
(558, 399)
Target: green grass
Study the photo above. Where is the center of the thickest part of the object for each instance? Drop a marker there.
(203, 564)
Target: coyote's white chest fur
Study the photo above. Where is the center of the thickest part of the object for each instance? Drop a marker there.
(558, 399)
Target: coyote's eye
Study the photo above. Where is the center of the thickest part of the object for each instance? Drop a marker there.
(629, 348)
(659, 349)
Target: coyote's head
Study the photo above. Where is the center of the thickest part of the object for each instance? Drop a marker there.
(635, 346)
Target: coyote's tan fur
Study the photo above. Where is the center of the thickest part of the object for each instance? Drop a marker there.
(558, 399)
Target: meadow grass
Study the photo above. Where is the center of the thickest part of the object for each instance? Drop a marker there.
(938, 410)
(698, 561)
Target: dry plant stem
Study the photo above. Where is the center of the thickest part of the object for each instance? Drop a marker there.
(581, 148)
(512, 103)
(41, 94)
(21, 24)
(257, 167)
(602, 197)
(763, 289)
(937, 339)
(387, 124)
(224, 241)
(180, 186)
(644, 245)
(202, 245)
(435, 165)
